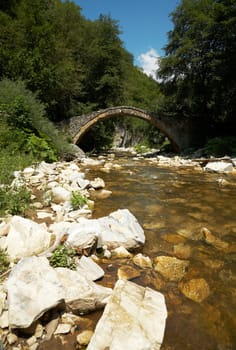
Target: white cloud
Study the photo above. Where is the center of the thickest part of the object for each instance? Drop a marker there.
(148, 61)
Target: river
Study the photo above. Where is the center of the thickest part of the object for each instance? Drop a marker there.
(173, 205)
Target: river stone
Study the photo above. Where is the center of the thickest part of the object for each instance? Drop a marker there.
(33, 288)
(97, 183)
(182, 251)
(121, 253)
(100, 194)
(219, 167)
(92, 162)
(81, 294)
(142, 261)
(171, 268)
(63, 328)
(211, 239)
(196, 289)
(60, 194)
(127, 272)
(88, 268)
(26, 237)
(134, 318)
(84, 337)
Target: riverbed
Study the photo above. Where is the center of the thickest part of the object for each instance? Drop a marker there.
(173, 205)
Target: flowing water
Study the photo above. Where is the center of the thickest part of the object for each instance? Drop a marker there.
(172, 205)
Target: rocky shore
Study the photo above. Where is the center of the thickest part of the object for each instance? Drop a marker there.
(43, 306)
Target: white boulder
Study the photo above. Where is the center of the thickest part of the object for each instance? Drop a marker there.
(120, 228)
(33, 287)
(219, 167)
(26, 237)
(134, 318)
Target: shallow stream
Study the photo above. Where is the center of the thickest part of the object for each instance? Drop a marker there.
(172, 205)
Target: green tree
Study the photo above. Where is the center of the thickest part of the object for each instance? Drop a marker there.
(104, 59)
(198, 72)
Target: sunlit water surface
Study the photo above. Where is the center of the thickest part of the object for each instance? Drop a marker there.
(170, 204)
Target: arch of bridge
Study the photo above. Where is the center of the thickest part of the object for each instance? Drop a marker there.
(180, 131)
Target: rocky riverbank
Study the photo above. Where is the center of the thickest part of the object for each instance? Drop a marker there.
(43, 307)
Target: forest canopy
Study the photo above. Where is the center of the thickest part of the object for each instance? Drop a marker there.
(74, 65)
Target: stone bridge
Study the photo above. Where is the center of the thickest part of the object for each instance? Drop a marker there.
(182, 132)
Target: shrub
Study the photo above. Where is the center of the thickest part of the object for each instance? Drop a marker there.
(221, 146)
(63, 257)
(142, 147)
(15, 201)
(23, 113)
(78, 200)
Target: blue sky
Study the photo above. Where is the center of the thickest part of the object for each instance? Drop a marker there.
(144, 24)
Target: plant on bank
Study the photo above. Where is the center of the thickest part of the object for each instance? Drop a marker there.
(63, 257)
(78, 200)
(14, 201)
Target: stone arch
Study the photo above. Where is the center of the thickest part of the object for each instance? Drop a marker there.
(180, 131)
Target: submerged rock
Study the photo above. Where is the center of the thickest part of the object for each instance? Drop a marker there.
(171, 268)
(196, 289)
(211, 239)
(127, 272)
(134, 318)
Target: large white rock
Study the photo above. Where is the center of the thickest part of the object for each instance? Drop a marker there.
(26, 237)
(219, 167)
(33, 287)
(120, 228)
(134, 318)
(81, 294)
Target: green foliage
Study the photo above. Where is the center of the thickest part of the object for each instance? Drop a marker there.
(14, 201)
(4, 261)
(198, 71)
(78, 200)
(26, 128)
(142, 147)
(40, 148)
(63, 257)
(221, 146)
(9, 162)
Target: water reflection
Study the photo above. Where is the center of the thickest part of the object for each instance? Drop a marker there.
(173, 206)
